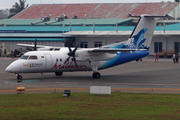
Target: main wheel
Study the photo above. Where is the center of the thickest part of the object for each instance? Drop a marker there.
(96, 75)
(19, 77)
(58, 73)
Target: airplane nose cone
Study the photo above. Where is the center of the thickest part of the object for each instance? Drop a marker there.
(12, 68)
(9, 69)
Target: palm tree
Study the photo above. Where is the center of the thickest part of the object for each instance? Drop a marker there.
(18, 7)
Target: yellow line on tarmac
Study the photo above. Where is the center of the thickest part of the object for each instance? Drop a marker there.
(7, 90)
(144, 89)
(163, 89)
(131, 88)
(59, 88)
(47, 89)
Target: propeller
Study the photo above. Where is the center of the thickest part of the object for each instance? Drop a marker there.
(35, 44)
(71, 54)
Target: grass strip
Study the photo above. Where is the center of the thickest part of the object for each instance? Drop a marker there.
(86, 106)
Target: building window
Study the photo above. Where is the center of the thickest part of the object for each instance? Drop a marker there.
(177, 46)
(157, 47)
(84, 44)
(70, 44)
(97, 44)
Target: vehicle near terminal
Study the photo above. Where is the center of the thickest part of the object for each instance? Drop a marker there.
(67, 59)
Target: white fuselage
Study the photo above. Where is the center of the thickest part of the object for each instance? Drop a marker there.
(53, 61)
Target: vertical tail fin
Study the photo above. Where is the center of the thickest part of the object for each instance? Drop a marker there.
(142, 34)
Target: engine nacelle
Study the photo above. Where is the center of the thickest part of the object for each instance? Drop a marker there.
(94, 56)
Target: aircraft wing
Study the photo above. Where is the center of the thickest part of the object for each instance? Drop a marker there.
(100, 54)
(39, 47)
(115, 50)
(31, 46)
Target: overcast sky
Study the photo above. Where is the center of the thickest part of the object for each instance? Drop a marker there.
(8, 3)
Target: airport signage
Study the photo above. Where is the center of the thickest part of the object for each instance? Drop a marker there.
(12, 31)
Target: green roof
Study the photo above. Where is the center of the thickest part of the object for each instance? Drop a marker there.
(74, 22)
(89, 22)
(33, 39)
(38, 29)
(106, 25)
(60, 29)
(173, 27)
(17, 22)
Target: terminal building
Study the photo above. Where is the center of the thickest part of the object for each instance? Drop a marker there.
(89, 25)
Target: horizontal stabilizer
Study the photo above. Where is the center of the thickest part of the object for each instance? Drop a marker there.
(145, 15)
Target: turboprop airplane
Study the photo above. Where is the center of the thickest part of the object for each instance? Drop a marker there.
(68, 59)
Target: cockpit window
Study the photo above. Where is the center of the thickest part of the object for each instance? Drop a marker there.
(25, 57)
(51, 49)
(33, 57)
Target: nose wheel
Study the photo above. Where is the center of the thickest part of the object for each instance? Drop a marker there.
(96, 75)
(19, 77)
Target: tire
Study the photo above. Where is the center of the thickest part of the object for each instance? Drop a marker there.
(96, 75)
(58, 73)
(19, 77)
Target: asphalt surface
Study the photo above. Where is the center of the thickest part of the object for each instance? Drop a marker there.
(145, 76)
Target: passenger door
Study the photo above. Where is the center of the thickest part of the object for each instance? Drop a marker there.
(48, 61)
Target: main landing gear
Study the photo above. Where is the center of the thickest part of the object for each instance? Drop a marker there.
(96, 75)
(94, 67)
(58, 73)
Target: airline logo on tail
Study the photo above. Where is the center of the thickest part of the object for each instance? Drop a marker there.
(136, 42)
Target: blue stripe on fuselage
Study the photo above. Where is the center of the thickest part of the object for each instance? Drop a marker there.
(124, 57)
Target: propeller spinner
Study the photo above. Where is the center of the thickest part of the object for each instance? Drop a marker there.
(71, 54)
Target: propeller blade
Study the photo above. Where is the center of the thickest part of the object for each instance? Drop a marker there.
(66, 60)
(68, 46)
(75, 61)
(73, 52)
(69, 49)
(35, 43)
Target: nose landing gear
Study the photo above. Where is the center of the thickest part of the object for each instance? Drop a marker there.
(19, 77)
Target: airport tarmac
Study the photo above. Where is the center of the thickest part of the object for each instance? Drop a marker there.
(145, 76)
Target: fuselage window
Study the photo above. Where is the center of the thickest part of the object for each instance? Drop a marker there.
(25, 57)
(33, 57)
(60, 60)
(56, 49)
(56, 60)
